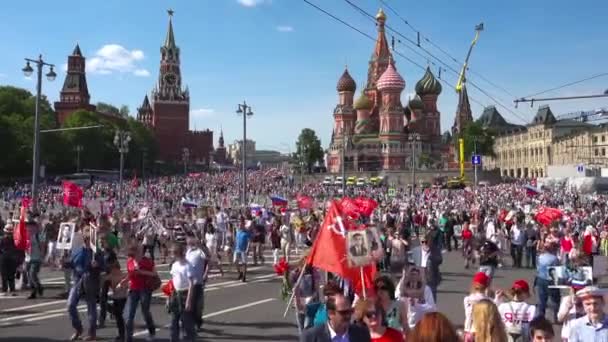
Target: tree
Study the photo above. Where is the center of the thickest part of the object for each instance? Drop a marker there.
(124, 111)
(17, 108)
(107, 108)
(309, 148)
(474, 133)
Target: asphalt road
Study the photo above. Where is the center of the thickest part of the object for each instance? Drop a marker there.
(234, 311)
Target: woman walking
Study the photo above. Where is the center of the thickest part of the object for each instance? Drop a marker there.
(140, 270)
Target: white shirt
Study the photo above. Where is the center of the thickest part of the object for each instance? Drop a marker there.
(181, 273)
(416, 311)
(220, 220)
(197, 260)
(335, 337)
(211, 242)
(517, 312)
(570, 314)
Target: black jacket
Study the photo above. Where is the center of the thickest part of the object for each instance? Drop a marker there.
(321, 334)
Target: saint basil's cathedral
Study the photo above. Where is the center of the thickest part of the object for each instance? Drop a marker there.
(376, 131)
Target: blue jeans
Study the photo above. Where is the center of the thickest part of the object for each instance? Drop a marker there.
(33, 268)
(179, 313)
(73, 299)
(133, 299)
(544, 293)
(488, 270)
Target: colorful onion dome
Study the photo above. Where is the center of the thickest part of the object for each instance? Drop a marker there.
(390, 79)
(363, 102)
(416, 103)
(346, 83)
(381, 15)
(428, 84)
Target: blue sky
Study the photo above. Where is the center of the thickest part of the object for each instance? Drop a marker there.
(285, 58)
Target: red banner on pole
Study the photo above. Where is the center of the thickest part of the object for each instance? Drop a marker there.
(72, 194)
(20, 236)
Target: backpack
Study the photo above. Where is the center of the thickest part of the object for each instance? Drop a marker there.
(515, 329)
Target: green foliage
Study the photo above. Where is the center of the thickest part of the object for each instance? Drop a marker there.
(475, 132)
(58, 149)
(309, 148)
(107, 108)
(124, 111)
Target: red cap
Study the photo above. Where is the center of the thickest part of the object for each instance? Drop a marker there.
(521, 285)
(481, 279)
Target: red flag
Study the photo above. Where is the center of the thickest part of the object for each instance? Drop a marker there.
(329, 251)
(366, 205)
(546, 216)
(134, 181)
(349, 207)
(20, 235)
(72, 194)
(304, 202)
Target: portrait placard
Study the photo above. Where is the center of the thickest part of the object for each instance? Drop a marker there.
(358, 248)
(373, 238)
(66, 235)
(565, 277)
(414, 282)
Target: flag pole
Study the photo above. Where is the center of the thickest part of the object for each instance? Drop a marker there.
(293, 292)
(363, 283)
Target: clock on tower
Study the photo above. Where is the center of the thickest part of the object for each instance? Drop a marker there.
(170, 79)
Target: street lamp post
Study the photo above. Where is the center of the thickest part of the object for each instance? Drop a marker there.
(144, 151)
(51, 75)
(121, 141)
(245, 110)
(475, 166)
(344, 145)
(413, 139)
(79, 149)
(185, 158)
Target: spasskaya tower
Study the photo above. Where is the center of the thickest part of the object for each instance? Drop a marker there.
(169, 113)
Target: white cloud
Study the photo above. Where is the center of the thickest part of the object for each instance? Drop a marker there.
(251, 3)
(116, 58)
(141, 72)
(28, 78)
(285, 28)
(64, 66)
(2, 75)
(202, 112)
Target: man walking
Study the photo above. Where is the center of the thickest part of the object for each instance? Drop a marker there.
(243, 235)
(199, 261)
(87, 267)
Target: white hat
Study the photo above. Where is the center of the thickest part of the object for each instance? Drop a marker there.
(591, 291)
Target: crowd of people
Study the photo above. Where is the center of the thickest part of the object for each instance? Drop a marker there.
(196, 223)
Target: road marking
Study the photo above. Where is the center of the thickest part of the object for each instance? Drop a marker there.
(217, 313)
(37, 316)
(33, 306)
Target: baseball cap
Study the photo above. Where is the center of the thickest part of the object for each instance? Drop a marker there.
(481, 279)
(521, 285)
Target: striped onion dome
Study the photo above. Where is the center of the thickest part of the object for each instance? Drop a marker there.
(390, 79)
(428, 84)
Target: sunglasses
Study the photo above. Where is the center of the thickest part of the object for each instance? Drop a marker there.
(371, 314)
(346, 312)
(423, 242)
(382, 288)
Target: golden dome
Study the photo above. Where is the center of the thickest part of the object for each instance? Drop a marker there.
(381, 15)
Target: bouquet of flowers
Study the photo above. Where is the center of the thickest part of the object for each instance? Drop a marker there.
(282, 269)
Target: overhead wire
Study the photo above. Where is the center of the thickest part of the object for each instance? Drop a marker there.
(449, 68)
(568, 84)
(450, 56)
(472, 99)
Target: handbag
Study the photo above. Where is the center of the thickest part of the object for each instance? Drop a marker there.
(153, 283)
